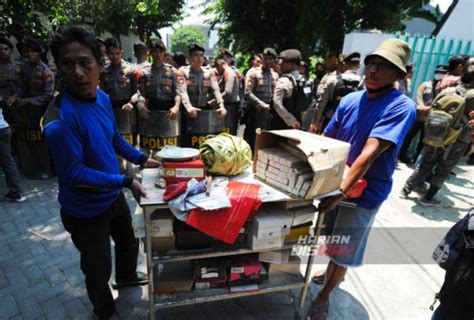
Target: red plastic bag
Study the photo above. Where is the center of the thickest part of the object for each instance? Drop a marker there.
(225, 224)
(357, 189)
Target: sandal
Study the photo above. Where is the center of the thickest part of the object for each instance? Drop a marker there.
(139, 279)
(314, 311)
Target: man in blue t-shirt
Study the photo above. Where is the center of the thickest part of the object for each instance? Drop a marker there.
(82, 136)
(375, 122)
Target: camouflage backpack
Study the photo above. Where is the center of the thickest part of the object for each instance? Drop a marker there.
(442, 126)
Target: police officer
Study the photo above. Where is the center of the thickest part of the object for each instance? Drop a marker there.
(334, 88)
(229, 87)
(140, 51)
(229, 59)
(37, 80)
(119, 82)
(157, 86)
(259, 87)
(104, 60)
(29, 104)
(287, 110)
(195, 85)
(9, 76)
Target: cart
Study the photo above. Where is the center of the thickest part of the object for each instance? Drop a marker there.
(277, 282)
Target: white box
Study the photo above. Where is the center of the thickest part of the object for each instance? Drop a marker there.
(271, 221)
(303, 215)
(268, 243)
(280, 256)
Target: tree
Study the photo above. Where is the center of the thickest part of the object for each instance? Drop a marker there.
(20, 17)
(311, 26)
(184, 36)
(40, 17)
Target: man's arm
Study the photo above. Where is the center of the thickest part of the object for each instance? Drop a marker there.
(324, 93)
(67, 152)
(217, 92)
(48, 91)
(284, 85)
(250, 81)
(127, 151)
(182, 90)
(372, 149)
(229, 81)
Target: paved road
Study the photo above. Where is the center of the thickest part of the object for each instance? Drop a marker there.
(40, 276)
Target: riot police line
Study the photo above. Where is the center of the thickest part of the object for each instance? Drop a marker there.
(156, 102)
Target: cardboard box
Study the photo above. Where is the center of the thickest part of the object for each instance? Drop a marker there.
(206, 269)
(298, 231)
(189, 238)
(327, 157)
(173, 277)
(292, 267)
(280, 256)
(163, 243)
(244, 270)
(271, 221)
(267, 243)
(161, 224)
(183, 171)
(302, 215)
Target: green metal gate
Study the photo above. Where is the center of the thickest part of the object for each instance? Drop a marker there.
(428, 52)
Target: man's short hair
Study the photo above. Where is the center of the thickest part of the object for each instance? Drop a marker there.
(454, 61)
(71, 34)
(112, 43)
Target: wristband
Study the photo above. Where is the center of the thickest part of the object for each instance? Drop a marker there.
(127, 182)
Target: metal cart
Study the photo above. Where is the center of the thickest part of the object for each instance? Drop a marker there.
(277, 282)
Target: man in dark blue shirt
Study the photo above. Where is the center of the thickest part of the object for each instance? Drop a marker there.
(375, 122)
(80, 129)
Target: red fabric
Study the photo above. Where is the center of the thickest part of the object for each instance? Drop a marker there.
(174, 190)
(225, 224)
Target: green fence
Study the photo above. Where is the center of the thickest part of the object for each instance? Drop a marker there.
(427, 53)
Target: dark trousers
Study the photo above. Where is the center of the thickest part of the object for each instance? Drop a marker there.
(438, 160)
(91, 237)
(7, 163)
(417, 127)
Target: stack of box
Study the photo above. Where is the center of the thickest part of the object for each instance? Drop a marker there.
(210, 273)
(302, 221)
(284, 170)
(162, 235)
(269, 228)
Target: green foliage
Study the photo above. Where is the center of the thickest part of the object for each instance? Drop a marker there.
(19, 17)
(312, 26)
(184, 36)
(40, 17)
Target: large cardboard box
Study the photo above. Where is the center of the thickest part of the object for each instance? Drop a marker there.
(327, 157)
